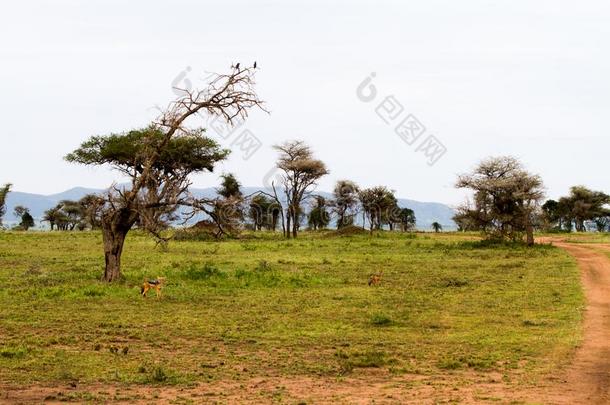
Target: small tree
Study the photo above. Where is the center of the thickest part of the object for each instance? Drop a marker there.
(378, 204)
(319, 217)
(27, 221)
(3, 193)
(264, 212)
(228, 211)
(602, 222)
(505, 198)
(391, 214)
(551, 215)
(74, 214)
(583, 205)
(437, 227)
(465, 220)
(407, 219)
(301, 171)
(345, 202)
(68, 215)
(159, 159)
(91, 210)
(52, 216)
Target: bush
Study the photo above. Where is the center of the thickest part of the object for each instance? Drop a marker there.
(13, 352)
(159, 375)
(349, 230)
(194, 272)
(381, 320)
(367, 359)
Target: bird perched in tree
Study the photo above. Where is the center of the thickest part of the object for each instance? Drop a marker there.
(254, 64)
(237, 66)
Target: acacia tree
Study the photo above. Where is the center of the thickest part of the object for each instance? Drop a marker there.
(319, 217)
(301, 171)
(379, 206)
(91, 205)
(436, 227)
(464, 218)
(551, 215)
(66, 216)
(602, 222)
(228, 211)
(583, 205)
(3, 193)
(345, 202)
(407, 219)
(73, 212)
(264, 212)
(505, 198)
(23, 213)
(159, 159)
(391, 215)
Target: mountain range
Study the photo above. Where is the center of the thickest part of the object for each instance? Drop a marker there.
(425, 212)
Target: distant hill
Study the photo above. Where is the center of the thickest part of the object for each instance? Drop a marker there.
(425, 212)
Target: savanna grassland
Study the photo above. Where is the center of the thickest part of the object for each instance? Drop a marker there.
(267, 307)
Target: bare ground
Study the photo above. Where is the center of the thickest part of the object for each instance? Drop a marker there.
(585, 381)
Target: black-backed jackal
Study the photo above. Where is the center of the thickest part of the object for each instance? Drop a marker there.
(375, 279)
(155, 284)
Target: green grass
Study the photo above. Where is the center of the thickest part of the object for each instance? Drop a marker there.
(585, 237)
(266, 306)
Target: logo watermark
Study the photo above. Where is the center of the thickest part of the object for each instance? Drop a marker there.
(408, 128)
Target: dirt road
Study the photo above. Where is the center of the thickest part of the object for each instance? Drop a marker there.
(587, 379)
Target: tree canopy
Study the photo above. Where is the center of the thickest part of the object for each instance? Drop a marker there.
(505, 198)
(380, 206)
(189, 152)
(300, 172)
(319, 217)
(345, 201)
(582, 205)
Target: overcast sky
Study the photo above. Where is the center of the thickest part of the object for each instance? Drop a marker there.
(525, 78)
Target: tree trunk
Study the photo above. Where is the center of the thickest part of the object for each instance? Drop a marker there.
(114, 231)
(295, 225)
(288, 219)
(113, 248)
(529, 230)
(293, 220)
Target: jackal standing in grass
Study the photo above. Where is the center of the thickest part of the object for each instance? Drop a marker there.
(375, 278)
(155, 284)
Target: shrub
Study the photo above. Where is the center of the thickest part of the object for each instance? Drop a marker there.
(14, 352)
(347, 231)
(380, 320)
(194, 272)
(455, 282)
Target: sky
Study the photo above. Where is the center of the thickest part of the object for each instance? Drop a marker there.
(469, 79)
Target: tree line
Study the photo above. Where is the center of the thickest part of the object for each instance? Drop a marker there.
(158, 160)
(265, 210)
